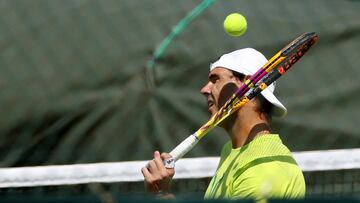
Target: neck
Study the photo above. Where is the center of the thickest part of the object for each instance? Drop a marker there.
(244, 131)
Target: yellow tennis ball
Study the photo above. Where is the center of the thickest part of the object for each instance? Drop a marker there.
(235, 24)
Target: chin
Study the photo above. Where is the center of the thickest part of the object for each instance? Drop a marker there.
(212, 111)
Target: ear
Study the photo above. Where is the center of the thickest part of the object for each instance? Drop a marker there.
(258, 108)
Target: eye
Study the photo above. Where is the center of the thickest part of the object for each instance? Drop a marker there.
(213, 78)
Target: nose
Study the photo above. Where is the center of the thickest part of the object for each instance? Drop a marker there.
(206, 89)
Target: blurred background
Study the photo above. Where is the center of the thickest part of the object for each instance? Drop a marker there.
(78, 84)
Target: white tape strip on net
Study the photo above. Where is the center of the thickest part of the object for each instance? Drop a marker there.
(130, 171)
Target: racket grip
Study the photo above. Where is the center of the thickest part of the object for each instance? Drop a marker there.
(184, 147)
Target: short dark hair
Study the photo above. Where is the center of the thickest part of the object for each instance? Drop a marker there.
(264, 105)
(240, 76)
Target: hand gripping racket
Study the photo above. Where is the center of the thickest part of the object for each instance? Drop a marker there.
(266, 75)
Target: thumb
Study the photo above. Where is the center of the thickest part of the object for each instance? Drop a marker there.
(156, 154)
(165, 156)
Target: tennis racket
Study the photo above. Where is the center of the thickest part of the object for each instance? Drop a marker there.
(266, 75)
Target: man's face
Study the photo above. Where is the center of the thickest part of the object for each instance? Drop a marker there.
(214, 89)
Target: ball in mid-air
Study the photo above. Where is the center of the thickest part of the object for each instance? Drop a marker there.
(235, 24)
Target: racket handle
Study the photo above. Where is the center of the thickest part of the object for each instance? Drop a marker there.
(184, 147)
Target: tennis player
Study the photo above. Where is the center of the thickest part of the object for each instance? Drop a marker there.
(254, 163)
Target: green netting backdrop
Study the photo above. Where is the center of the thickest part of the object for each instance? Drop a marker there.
(73, 76)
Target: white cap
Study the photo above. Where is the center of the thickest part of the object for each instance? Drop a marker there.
(248, 61)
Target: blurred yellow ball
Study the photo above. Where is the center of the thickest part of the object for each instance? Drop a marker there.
(235, 24)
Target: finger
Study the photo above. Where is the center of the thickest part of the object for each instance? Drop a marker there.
(152, 166)
(158, 161)
(165, 156)
(147, 175)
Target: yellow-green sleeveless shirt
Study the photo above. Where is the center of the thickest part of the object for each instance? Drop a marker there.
(264, 168)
